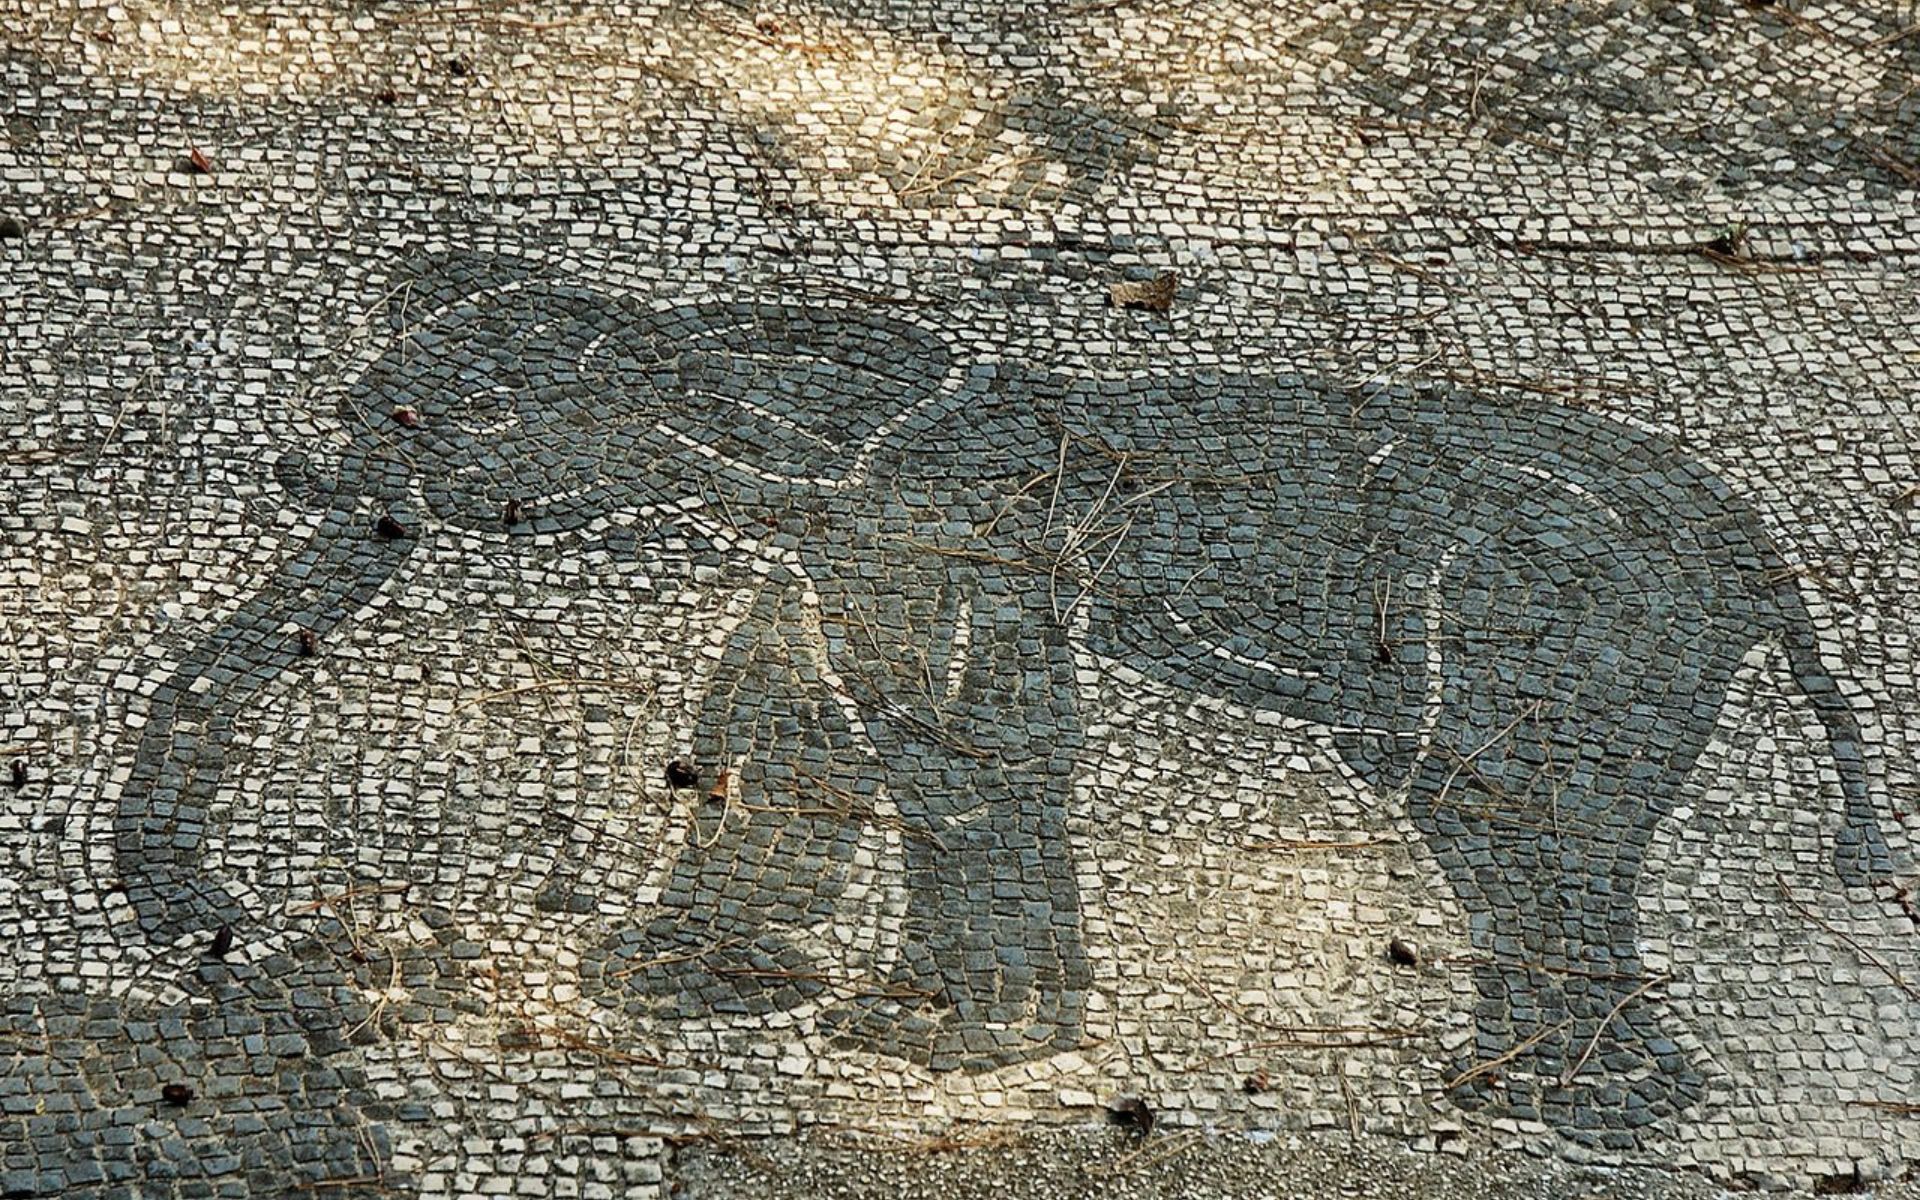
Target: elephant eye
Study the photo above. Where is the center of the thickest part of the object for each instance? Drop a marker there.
(479, 406)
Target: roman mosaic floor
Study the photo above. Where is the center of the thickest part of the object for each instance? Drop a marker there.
(591, 591)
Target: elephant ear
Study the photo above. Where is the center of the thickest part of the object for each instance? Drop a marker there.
(797, 393)
(476, 337)
(507, 386)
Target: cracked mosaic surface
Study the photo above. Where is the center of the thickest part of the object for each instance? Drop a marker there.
(1442, 680)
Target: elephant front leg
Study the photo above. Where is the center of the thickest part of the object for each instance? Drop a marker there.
(769, 854)
(991, 967)
(976, 721)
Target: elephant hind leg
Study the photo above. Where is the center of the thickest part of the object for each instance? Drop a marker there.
(1545, 853)
(1584, 1053)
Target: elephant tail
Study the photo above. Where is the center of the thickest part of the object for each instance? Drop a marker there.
(1860, 854)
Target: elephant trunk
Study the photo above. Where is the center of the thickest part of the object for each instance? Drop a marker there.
(160, 825)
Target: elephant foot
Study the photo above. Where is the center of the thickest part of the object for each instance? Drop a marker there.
(967, 1037)
(1600, 1114)
(1861, 857)
(1606, 1093)
(690, 973)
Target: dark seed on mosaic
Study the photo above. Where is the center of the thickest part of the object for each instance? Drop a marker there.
(18, 773)
(1403, 954)
(514, 515)
(1133, 1113)
(1384, 653)
(222, 942)
(682, 774)
(1153, 295)
(12, 229)
(1849, 1184)
(389, 527)
(387, 96)
(309, 643)
(177, 1094)
(1731, 242)
(407, 415)
(1256, 1083)
(457, 67)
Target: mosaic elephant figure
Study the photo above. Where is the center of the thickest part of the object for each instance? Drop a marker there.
(1524, 621)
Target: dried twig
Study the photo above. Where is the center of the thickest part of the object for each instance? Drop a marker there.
(667, 960)
(596, 832)
(1900, 1107)
(1466, 760)
(1857, 946)
(545, 685)
(1365, 843)
(854, 806)
(1496, 816)
(474, 12)
(352, 893)
(985, 169)
(896, 1143)
(1510, 964)
(1494, 1064)
(1889, 161)
(380, 1005)
(1564, 390)
(1302, 1037)
(574, 1041)
(1148, 1154)
(1295, 1032)
(1567, 1076)
(864, 295)
(596, 1131)
(857, 987)
(1385, 1038)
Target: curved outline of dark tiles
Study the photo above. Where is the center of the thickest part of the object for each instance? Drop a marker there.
(1596, 634)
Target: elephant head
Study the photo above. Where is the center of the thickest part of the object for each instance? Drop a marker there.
(508, 398)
